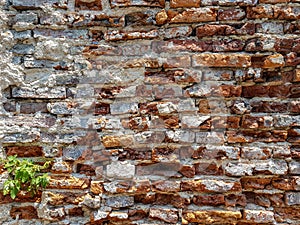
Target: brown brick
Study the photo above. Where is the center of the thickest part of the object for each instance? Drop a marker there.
(125, 3)
(280, 91)
(76, 212)
(187, 171)
(206, 168)
(102, 108)
(161, 17)
(209, 30)
(271, 61)
(117, 141)
(193, 15)
(33, 107)
(231, 14)
(294, 107)
(68, 182)
(259, 12)
(25, 151)
(255, 91)
(166, 215)
(221, 60)
(25, 212)
(211, 216)
(287, 184)
(184, 3)
(166, 186)
(88, 5)
(233, 200)
(231, 45)
(210, 200)
(274, 1)
(255, 182)
(268, 107)
(287, 12)
(284, 213)
(178, 62)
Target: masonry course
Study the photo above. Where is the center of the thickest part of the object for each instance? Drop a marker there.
(153, 112)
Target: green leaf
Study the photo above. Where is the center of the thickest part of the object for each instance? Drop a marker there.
(23, 176)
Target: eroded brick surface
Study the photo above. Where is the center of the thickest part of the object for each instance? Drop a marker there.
(153, 111)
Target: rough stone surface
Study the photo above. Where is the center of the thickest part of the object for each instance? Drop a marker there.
(152, 111)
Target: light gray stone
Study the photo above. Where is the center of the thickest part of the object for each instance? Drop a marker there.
(294, 167)
(212, 137)
(239, 169)
(40, 92)
(123, 108)
(167, 108)
(292, 198)
(278, 167)
(259, 216)
(119, 201)
(193, 121)
(123, 170)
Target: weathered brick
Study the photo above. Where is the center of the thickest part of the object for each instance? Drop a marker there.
(184, 4)
(216, 29)
(24, 151)
(260, 11)
(24, 212)
(208, 186)
(210, 217)
(125, 3)
(221, 60)
(166, 215)
(231, 14)
(284, 213)
(27, 4)
(88, 5)
(26, 92)
(211, 200)
(258, 216)
(228, 2)
(193, 15)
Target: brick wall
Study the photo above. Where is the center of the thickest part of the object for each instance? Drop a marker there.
(154, 111)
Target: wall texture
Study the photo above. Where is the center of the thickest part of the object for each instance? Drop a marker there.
(154, 111)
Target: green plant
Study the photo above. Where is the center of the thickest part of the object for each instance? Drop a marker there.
(24, 175)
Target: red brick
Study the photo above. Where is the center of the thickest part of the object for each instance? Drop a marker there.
(193, 15)
(259, 12)
(76, 211)
(124, 3)
(184, 3)
(25, 151)
(209, 30)
(233, 200)
(274, 1)
(33, 107)
(206, 168)
(279, 91)
(209, 200)
(88, 5)
(231, 14)
(284, 213)
(25, 212)
(255, 182)
(177, 62)
(221, 60)
(268, 107)
(286, 12)
(294, 106)
(102, 108)
(231, 45)
(255, 91)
